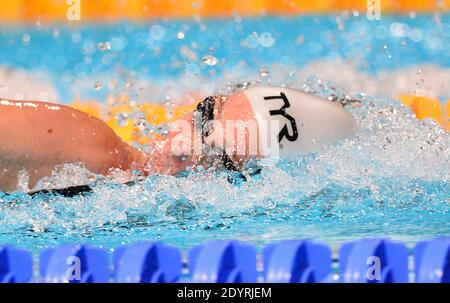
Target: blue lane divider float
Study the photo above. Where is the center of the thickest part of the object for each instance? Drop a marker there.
(223, 262)
(373, 261)
(74, 264)
(147, 262)
(297, 262)
(16, 265)
(432, 261)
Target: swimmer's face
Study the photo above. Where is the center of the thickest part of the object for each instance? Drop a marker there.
(235, 128)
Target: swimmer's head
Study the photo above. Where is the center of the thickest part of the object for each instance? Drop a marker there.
(263, 122)
(229, 129)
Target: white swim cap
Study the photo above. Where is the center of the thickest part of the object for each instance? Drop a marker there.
(295, 122)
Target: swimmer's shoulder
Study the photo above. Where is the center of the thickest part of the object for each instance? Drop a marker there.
(45, 110)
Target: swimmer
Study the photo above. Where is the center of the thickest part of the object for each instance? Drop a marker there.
(37, 137)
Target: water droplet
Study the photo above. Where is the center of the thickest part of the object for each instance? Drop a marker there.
(122, 119)
(118, 43)
(415, 35)
(180, 35)
(104, 46)
(266, 40)
(141, 124)
(264, 72)
(209, 60)
(398, 29)
(251, 41)
(98, 85)
(76, 38)
(26, 39)
(300, 39)
(162, 130)
(157, 32)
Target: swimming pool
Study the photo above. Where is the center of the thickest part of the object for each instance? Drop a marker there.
(392, 180)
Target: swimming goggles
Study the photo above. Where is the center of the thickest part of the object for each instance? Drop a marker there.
(206, 110)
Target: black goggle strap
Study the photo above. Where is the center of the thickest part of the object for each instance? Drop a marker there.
(206, 109)
(228, 163)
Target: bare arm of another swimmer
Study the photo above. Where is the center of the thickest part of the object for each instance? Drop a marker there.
(37, 137)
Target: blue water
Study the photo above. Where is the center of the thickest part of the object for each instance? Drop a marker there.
(392, 180)
(152, 50)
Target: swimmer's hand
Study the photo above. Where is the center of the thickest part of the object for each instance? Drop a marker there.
(35, 137)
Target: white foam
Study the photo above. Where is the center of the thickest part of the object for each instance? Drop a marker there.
(390, 160)
(428, 80)
(17, 84)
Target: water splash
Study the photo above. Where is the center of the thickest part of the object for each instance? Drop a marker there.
(391, 179)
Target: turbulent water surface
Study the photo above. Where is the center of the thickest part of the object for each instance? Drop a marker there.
(391, 180)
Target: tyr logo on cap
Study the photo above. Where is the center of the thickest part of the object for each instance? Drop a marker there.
(284, 133)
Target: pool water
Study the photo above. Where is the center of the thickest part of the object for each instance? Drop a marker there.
(391, 180)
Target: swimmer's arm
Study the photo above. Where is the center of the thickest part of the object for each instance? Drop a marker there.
(36, 137)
